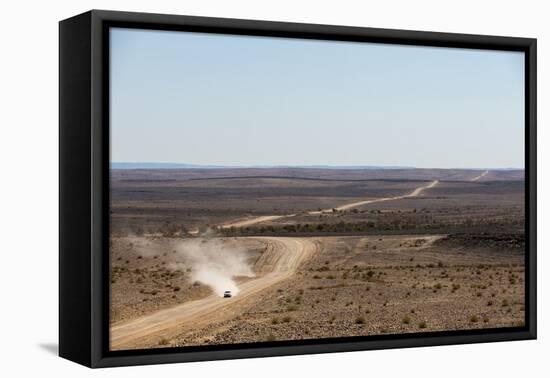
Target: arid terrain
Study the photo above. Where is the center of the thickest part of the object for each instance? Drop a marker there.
(312, 253)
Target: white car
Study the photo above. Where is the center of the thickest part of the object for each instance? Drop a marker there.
(227, 294)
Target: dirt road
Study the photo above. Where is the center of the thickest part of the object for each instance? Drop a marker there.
(251, 221)
(480, 176)
(414, 193)
(281, 259)
(265, 218)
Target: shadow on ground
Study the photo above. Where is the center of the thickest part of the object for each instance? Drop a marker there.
(51, 348)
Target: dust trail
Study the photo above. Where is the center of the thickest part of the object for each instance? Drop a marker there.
(215, 264)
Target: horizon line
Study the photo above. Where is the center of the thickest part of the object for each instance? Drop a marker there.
(318, 166)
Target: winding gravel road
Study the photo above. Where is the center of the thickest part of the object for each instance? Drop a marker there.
(281, 259)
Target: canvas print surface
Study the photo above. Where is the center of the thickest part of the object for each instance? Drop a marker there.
(270, 189)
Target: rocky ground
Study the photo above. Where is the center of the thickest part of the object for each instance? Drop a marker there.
(382, 285)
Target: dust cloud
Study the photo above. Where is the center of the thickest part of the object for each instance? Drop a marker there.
(215, 264)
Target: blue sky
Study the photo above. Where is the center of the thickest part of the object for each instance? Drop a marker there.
(238, 100)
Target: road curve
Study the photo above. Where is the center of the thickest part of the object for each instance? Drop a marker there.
(281, 259)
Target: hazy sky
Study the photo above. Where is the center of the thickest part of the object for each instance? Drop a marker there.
(230, 100)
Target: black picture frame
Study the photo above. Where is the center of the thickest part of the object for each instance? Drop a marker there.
(84, 186)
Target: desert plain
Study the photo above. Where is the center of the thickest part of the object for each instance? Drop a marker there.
(312, 252)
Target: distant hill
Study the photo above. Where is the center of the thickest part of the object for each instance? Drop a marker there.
(116, 165)
(160, 166)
